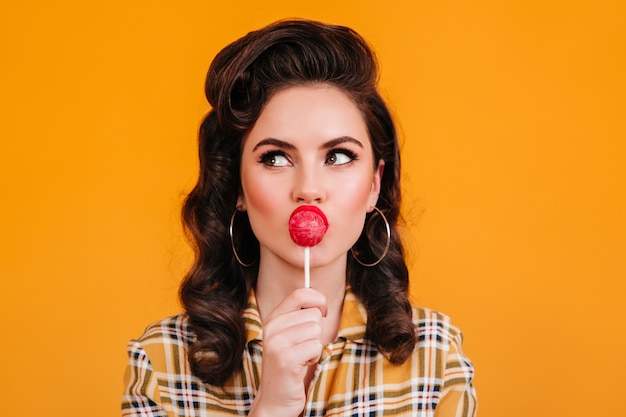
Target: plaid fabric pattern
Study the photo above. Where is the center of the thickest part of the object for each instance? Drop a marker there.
(352, 377)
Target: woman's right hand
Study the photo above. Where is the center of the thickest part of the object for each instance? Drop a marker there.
(292, 342)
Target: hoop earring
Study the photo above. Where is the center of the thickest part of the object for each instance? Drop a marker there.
(388, 229)
(232, 241)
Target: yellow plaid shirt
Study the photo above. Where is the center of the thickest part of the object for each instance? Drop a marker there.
(352, 377)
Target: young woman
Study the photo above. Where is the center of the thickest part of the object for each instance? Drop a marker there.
(298, 136)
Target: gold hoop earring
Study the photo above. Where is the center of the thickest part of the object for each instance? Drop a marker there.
(232, 241)
(388, 230)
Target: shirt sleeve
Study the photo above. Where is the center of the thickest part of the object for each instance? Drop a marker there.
(459, 396)
(141, 396)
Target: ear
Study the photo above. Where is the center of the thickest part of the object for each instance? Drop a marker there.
(376, 180)
(241, 202)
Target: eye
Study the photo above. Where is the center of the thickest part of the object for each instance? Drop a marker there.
(340, 157)
(274, 159)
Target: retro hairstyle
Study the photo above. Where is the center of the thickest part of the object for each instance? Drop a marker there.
(241, 79)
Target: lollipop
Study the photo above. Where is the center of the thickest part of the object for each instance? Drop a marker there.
(307, 227)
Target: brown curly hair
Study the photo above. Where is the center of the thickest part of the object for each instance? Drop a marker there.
(241, 79)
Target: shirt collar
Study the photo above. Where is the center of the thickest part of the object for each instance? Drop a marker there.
(352, 326)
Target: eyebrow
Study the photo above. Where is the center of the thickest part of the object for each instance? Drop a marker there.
(286, 145)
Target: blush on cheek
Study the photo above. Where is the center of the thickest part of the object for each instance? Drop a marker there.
(357, 191)
(263, 203)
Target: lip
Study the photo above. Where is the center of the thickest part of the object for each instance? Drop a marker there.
(313, 209)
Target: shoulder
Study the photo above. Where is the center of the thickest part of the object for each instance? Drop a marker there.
(440, 340)
(173, 329)
(163, 345)
(439, 347)
(435, 327)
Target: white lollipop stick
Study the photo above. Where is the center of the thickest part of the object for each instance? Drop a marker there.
(307, 267)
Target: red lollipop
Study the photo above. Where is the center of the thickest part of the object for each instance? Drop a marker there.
(307, 226)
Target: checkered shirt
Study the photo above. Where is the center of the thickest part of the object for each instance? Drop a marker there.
(352, 377)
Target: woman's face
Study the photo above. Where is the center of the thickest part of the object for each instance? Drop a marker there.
(309, 146)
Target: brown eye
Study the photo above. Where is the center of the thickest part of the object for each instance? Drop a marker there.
(274, 159)
(340, 157)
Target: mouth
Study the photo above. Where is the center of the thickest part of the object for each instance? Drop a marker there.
(307, 226)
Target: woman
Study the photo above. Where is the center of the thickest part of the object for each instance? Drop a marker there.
(297, 125)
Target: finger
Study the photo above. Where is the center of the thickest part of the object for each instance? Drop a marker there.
(294, 327)
(309, 352)
(302, 298)
(300, 356)
(290, 321)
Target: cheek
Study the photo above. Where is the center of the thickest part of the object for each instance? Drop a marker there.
(260, 197)
(353, 193)
(350, 210)
(259, 206)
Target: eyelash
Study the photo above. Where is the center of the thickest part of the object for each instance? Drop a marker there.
(266, 157)
(347, 152)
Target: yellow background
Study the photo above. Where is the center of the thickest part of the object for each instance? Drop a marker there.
(512, 121)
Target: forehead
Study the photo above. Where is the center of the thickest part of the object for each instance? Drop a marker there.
(310, 112)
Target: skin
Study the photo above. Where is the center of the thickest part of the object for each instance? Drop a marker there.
(310, 145)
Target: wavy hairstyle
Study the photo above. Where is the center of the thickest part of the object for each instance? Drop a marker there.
(241, 79)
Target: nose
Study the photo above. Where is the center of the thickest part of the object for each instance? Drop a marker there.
(308, 185)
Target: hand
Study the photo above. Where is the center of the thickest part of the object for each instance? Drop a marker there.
(291, 343)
